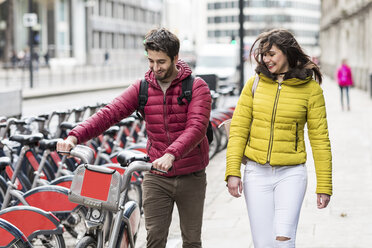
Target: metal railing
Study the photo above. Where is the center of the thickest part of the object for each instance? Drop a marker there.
(44, 77)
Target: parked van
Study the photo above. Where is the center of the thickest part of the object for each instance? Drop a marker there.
(222, 60)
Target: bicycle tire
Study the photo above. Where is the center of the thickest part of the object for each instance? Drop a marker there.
(86, 242)
(223, 139)
(74, 224)
(135, 194)
(50, 241)
(214, 146)
(3, 188)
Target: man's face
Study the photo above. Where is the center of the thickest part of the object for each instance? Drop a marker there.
(161, 64)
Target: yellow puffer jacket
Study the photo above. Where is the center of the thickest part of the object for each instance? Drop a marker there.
(269, 127)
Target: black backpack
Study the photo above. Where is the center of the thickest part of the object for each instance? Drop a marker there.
(186, 93)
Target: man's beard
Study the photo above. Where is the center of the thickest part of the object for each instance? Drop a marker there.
(167, 74)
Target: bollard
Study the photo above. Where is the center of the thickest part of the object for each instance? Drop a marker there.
(370, 80)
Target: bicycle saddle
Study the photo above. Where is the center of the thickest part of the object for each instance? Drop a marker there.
(27, 139)
(128, 156)
(4, 162)
(48, 144)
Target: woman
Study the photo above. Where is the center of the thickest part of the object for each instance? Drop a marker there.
(269, 130)
(345, 80)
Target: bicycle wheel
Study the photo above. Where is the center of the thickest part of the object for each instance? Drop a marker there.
(214, 146)
(135, 194)
(223, 139)
(74, 224)
(49, 241)
(86, 242)
(3, 187)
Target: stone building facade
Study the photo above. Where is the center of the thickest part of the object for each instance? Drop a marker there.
(82, 31)
(301, 17)
(345, 32)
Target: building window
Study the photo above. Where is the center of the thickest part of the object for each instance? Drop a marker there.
(129, 13)
(108, 9)
(62, 11)
(95, 40)
(120, 11)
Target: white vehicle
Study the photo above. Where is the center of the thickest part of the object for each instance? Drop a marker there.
(221, 60)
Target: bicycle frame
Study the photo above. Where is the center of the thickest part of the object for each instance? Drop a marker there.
(124, 208)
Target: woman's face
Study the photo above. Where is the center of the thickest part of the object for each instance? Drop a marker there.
(275, 60)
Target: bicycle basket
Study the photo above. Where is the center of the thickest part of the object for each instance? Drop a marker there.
(96, 186)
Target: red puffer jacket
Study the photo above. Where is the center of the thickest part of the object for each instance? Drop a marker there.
(171, 128)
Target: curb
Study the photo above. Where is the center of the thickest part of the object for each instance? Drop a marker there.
(68, 89)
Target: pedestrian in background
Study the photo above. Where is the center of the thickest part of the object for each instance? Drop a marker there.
(46, 58)
(268, 128)
(345, 80)
(177, 140)
(14, 59)
(106, 58)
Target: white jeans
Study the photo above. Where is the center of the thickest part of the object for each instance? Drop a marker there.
(274, 195)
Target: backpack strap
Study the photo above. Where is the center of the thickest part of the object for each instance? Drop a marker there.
(142, 97)
(186, 90)
(255, 84)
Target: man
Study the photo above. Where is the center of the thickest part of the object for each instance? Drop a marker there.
(176, 140)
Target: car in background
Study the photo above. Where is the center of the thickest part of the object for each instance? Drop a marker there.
(221, 60)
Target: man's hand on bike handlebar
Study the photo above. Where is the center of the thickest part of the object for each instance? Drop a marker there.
(163, 163)
(64, 146)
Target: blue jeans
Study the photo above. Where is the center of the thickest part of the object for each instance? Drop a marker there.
(347, 96)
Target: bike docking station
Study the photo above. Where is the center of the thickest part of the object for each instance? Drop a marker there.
(98, 188)
(111, 217)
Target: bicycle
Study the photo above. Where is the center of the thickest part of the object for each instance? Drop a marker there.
(48, 197)
(104, 191)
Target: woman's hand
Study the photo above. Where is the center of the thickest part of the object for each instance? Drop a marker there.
(323, 200)
(235, 186)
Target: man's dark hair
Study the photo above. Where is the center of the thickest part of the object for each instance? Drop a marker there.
(163, 40)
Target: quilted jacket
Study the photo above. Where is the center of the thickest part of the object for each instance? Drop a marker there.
(269, 128)
(344, 76)
(171, 128)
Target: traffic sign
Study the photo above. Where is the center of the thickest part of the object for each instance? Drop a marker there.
(29, 20)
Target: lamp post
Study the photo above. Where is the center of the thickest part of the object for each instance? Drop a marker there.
(241, 36)
(89, 4)
(30, 41)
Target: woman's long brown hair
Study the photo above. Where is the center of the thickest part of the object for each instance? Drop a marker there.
(286, 42)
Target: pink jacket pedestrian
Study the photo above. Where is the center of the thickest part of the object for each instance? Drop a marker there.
(344, 76)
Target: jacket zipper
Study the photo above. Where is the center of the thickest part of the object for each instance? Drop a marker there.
(272, 122)
(296, 144)
(165, 117)
(250, 131)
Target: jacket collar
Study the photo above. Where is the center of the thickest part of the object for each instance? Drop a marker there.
(295, 76)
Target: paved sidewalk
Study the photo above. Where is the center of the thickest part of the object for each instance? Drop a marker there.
(346, 223)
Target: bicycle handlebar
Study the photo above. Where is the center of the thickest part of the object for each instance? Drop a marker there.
(137, 166)
(85, 153)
